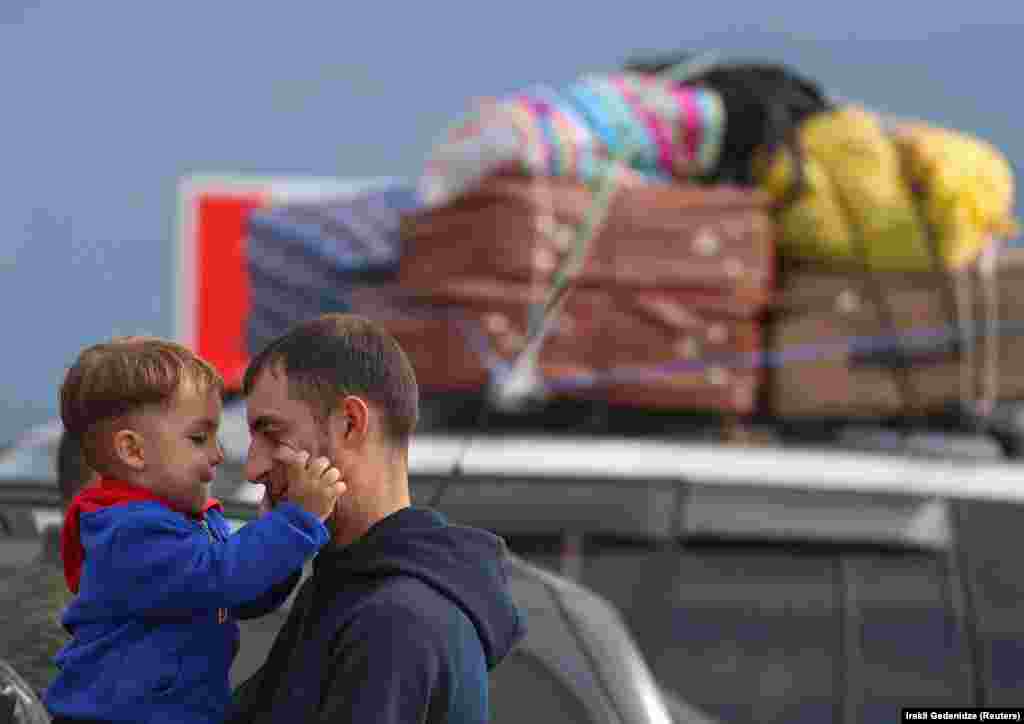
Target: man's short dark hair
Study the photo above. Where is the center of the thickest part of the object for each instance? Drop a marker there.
(335, 355)
(73, 472)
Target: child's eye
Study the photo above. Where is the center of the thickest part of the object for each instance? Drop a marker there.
(199, 439)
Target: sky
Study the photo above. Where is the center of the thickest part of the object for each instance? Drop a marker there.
(106, 106)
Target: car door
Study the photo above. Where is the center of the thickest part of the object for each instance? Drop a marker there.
(760, 602)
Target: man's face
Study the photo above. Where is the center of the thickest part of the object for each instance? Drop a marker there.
(275, 418)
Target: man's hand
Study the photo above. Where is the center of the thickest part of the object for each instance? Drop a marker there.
(313, 483)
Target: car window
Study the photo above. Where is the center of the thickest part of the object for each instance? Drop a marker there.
(714, 622)
(903, 638)
(808, 633)
(992, 546)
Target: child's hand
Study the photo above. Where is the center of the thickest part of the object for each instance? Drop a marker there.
(313, 483)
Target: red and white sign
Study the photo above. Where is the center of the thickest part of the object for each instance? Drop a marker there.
(211, 278)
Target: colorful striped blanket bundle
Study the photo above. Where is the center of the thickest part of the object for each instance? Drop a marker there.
(660, 131)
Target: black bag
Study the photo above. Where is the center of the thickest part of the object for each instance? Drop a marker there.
(764, 105)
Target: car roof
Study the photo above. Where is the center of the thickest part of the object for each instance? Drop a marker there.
(579, 457)
(523, 482)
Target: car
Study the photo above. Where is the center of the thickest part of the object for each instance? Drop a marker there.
(760, 583)
(577, 663)
(19, 704)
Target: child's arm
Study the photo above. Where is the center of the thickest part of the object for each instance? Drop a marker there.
(152, 560)
(163, 562)
(276, 596)
(270, 601)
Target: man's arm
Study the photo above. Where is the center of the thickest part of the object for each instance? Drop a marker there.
(269, 601)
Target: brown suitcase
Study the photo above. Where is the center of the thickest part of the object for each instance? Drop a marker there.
(649, 348)
(660, 350)
(455, 337)
(829, 341)
(718, 240)
(437, 339)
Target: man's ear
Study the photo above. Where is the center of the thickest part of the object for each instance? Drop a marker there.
(129, 449)
(350, 422)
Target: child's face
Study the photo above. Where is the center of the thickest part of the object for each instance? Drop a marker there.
(181, 448)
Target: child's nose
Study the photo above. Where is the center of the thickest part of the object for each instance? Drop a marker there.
(218, 453)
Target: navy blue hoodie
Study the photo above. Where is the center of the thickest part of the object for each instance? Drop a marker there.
(400, 627)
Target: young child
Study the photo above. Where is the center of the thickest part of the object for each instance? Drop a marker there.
(159, 577)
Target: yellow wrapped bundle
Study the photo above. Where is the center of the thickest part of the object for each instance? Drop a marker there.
(855, 193)
(965, 187)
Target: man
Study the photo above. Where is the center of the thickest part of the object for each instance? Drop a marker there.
(34, 597)
(404, 614)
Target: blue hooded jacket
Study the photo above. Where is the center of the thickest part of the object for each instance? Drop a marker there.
(400, 627)
(154, 620)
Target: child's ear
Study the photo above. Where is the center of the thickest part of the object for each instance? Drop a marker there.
(129, 449)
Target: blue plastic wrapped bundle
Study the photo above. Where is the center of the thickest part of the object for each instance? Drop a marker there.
(303, 259)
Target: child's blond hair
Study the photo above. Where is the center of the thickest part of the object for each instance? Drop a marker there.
(114, 379)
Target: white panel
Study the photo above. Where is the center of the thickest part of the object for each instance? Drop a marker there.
(811, 515)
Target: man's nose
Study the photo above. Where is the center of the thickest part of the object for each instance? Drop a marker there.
(257, 465)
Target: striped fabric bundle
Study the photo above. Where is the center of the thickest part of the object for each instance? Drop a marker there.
(661, 131)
